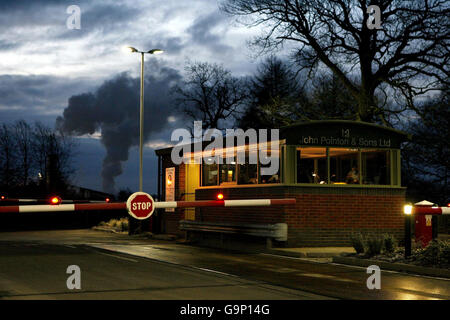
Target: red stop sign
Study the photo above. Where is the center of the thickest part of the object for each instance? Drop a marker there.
(140, 205)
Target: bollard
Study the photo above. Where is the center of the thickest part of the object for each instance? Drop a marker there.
(407, 210)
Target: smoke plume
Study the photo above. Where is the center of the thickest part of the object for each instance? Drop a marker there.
(113, 109)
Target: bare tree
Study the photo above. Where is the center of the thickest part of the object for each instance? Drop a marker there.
(409, 54)
(23, 141)
(48, 143)
(27, 150)
(7, 157)
(276, 97)
(210, 94)
(330, 99)
(426, 159)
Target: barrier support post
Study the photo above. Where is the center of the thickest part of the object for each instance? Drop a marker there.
(407, 235)
(434, 226)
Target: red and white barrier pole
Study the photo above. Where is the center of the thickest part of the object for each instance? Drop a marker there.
(431, 210)
(8, 200)
(158, 205)
(45, 201)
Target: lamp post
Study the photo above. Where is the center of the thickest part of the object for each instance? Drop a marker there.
(141, 115)
(407, 210)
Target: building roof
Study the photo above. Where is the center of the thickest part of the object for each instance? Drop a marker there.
(333, 130)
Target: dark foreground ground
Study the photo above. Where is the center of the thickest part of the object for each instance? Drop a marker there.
(33, 266)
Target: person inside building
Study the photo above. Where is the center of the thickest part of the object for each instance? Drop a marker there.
(274, 179)
(353, 175)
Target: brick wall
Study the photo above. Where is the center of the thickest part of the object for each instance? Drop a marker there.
(322, 216)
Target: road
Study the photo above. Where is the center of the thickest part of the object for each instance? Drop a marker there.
(33, 266)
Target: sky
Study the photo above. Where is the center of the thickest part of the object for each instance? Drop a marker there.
(82, 80)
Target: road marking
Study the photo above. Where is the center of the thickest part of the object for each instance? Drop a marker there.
(404, 273)
(325, 276)
(118, 257)
(313, 260)
(214, 271)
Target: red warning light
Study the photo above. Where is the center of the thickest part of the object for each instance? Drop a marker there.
(220, 196)
(55, 200)
(448, 204)
(107, 200)
(2, 197)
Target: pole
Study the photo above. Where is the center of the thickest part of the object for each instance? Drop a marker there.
(407, 235)
(157, 205)
(434, 226)
(141, 134)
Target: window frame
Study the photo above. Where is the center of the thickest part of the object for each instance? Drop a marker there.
(394, 158)
(237, 166)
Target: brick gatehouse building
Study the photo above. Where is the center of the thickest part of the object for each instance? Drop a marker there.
(344, 175)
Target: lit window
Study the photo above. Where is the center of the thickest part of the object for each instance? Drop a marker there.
(344, 166)
(209, 174)
(272, 160)
(248, 172)
(227, 172)
(312, 165)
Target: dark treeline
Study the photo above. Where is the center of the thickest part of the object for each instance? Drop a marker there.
(35, 160)
(273, 97)
(392, 74)
(276, 96)
(426, 158)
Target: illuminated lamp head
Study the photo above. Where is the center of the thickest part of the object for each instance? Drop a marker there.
(407, 209)
(220, 196)
(2, 198)
(107, 200)
(55, 200)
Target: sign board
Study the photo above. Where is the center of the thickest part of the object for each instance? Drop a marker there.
(140, 205)
(429, 220)
(340, 133)
(170, 187)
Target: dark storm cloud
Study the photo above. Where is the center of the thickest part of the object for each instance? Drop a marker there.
(104, 18)
(17, 5)
(22, 13)
(35, 97)
(114, 110)
(172, 45)
(202, 33)
(95, 17)
(8, 45)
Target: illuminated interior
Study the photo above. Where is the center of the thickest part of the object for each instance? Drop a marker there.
(314, 165)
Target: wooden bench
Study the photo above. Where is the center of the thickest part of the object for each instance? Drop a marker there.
(277, 231)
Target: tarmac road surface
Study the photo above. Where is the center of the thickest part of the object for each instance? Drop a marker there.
(33, 266)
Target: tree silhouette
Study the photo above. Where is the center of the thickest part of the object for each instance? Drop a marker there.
(210, 94)
(408, 57)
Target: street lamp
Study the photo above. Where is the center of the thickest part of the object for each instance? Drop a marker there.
(141, 116)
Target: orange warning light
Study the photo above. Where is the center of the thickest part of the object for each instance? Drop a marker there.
(220, 196)
(55, 200)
